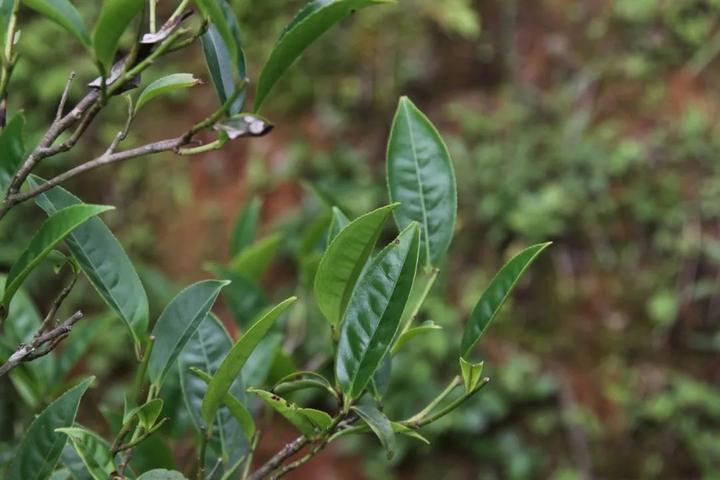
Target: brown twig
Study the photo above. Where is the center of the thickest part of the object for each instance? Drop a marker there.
(279, 458)
(41, 345)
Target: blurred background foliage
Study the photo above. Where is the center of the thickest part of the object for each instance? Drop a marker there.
(591, 123)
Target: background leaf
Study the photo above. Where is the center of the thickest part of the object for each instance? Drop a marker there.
(64, 14)
(337, 223)
(12, 149)
(104, 262)
(177, 324)
(310, 23)
(493, 298)
(420, 176)
(245, 226)
(373, 315)
(42, 446)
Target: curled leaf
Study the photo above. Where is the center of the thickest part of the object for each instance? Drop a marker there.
(244, 125)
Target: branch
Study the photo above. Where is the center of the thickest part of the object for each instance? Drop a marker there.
(41, 345)
(279, 458)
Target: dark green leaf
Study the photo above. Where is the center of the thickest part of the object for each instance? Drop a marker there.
(169, 83)
(380, 425)
(495, 295)
(92, 449)
(216, 16)
(41, 447)
(177, 323)
(245, 227)
(64, 14)
(235, 359)
(114, 18)
(12, 149)
(310, 23)
(309, 421)
(373, 314)
(104, 262)
(344, 260)
(220, 64)
(420, 176)
(52, 231)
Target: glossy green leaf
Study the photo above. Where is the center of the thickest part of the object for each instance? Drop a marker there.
(337, 223)
(104, 262)
(246, 227)
(162, 474)
(114, 18)
(92, 449)
(471, 374)
(41, 447)
(380, 425)
(310, 23)
(309, 421)
(301, 381)
(426, 327)
(52, 231)
(493, 298)
(234, 405)
(373, 315)
(235, 359)
(64, 14)
(147, 413)
(255, 259)
(225, 71)
(164, 85)
(420, 176)
(177, 324)
(344, 260)
(204, 353)
(12, 149)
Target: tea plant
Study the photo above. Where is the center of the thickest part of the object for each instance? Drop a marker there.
(369, 298)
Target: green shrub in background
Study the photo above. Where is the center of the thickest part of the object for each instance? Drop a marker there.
(370, 299)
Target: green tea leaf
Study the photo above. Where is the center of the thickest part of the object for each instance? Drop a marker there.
(344, 260)
(373, 315)
(420, 176)
(104, 262)
(12, 149)
(310, 23)
(177, 324)
(309, 421)
(216, 15)
(380, 425)
(471, 374)
(93, 450)
(6, 9)
(493, 298)
(41, 447)
(234, 405)
(204, 353)
(337, 223)
(426, 327)
(147, 413)
(245, 227)
(64, 14)
(114, 18)
(169, 83)
(52, 231)
(302, 380)
(235, 359)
